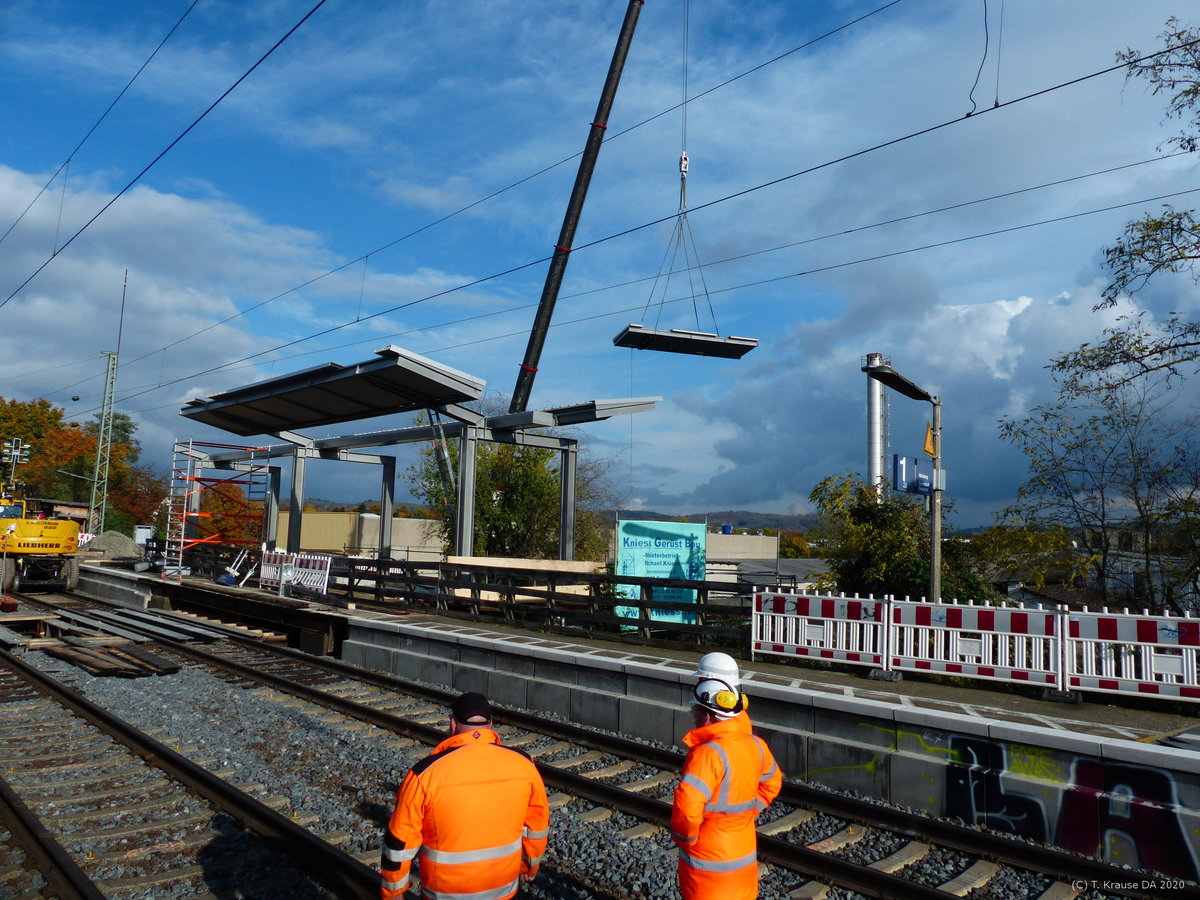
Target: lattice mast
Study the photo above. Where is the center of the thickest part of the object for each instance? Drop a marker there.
(98, 504)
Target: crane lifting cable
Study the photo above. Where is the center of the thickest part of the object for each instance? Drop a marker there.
(681, 258)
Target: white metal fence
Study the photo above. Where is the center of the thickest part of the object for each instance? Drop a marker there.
(310, 570)
(1150, 655)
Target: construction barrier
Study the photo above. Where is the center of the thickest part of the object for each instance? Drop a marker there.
(996, 643)
(839, 629)
(309, 570)
(1121, 653)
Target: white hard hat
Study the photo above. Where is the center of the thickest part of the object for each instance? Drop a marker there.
(719, 697)
(721, 666)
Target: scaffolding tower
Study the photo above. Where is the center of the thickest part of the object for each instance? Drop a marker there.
(228, 507)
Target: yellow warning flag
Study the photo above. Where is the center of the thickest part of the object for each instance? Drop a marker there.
(929, 439)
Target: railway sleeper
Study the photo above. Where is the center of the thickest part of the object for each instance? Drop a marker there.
(905, 856)
(849, 835)
(794, 819)
(973, 877)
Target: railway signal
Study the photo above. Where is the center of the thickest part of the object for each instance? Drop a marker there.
(13, 452)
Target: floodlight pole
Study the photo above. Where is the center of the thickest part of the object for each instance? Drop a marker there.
(562, 250)
(935, 507)
(889, 377)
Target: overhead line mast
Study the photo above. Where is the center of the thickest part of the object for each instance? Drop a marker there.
(562, 250)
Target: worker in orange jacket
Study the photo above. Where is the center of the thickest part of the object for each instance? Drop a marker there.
(729, 777)
(474, 810)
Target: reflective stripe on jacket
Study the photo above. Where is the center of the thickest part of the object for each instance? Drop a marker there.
(475, 813)
(729, 777)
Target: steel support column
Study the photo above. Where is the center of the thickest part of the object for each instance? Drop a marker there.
(387, 505)
(568, 466)
(464, 518)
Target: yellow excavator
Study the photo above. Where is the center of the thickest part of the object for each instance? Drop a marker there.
(36, 553)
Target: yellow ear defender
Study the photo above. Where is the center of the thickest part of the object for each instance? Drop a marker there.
(727, 700)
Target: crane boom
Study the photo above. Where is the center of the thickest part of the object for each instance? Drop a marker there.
(562, 250)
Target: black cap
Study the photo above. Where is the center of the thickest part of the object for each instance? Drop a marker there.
(471, 706)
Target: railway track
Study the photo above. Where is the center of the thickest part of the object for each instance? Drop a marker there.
(101, 809)
(817, 840)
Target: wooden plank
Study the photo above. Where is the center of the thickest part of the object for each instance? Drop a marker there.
(96, 662)
(157, 664)
(89, 662)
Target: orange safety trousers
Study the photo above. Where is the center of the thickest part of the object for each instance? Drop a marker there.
(475, 812)
(729, 777)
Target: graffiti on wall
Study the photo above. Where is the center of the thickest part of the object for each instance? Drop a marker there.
(1124, 813)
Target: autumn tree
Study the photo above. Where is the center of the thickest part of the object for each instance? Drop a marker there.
(1163, 241)
(517, 498)
(137, 497)
(228, 515)
(62, 461)
(1119, 471)
(1034, 554)
(793, 545)
(880, 546)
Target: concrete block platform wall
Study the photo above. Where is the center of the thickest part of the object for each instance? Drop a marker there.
(1133, 803)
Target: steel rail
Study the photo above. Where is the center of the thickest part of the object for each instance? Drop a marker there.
(1010, 851)
(867, 881)
(48, 856)
(335, 868)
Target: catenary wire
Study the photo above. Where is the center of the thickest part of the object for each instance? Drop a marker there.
(634, 229)
(717, 262)
(845, 264)
(96, 125)
(163, 153)
(982, 60)
(649, 224)
(729, 289)
(542, 171)
(491, 195)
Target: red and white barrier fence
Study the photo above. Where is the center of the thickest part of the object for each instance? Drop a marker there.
(309, 570)
(1054, 648)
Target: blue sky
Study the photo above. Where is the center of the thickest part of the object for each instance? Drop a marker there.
(298, 222)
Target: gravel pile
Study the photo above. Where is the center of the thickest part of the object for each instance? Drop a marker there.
(114, 545)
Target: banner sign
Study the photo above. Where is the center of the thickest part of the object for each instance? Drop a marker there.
(660, 550)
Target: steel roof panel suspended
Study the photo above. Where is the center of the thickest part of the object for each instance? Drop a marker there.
(696, 343)
(397, 381)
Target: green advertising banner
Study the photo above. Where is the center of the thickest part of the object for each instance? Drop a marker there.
(660, 550)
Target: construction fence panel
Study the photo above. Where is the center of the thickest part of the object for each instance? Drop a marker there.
(309, 570)
(1123, 653)
(1005, 643)
(835, 629)
(1118, 653)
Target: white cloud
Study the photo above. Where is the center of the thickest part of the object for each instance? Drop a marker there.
(370, 123)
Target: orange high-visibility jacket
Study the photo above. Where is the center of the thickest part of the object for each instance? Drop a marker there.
(729, 777)
(476, 812)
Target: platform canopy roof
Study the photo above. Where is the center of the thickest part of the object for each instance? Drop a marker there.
(678, 340)
(397, 381)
